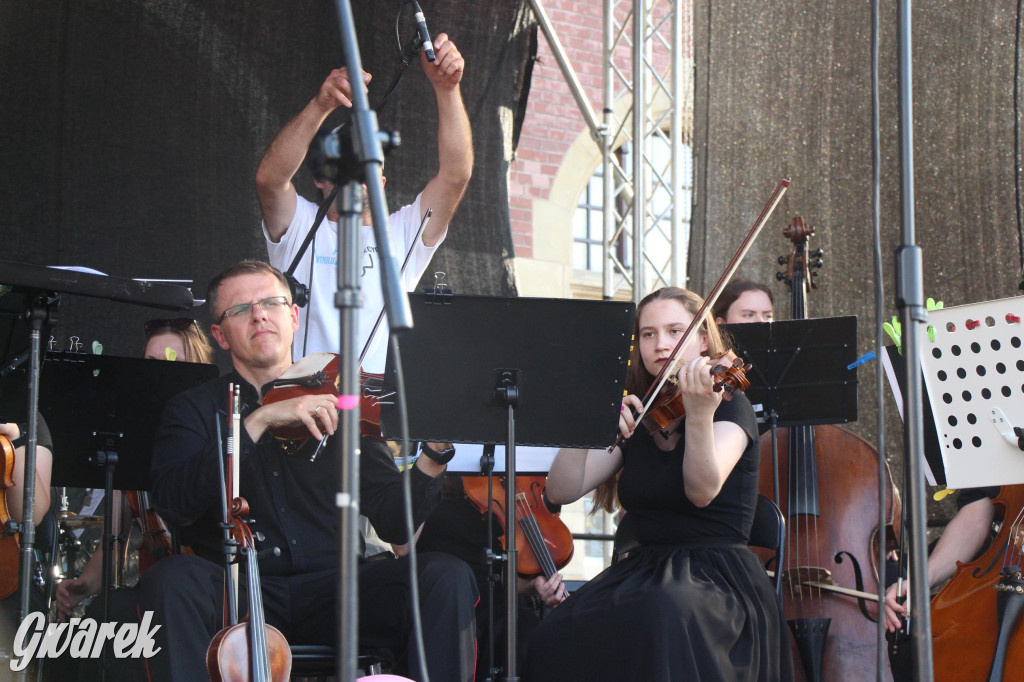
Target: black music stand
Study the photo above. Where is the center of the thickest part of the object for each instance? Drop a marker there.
(35, 288)
(103, 412)
(799, 375)
(518, 371)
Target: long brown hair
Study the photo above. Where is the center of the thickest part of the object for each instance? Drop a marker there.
(639, 380)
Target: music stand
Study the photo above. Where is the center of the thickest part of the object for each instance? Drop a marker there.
(800, 376)
(37, 287)
(518, 371)
(934, 469)
(103, 412)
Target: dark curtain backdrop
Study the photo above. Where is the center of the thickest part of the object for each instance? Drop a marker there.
(131, 132)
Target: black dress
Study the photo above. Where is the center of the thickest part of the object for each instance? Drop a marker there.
(691, 601)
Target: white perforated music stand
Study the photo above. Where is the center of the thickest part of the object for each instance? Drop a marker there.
(974, 375)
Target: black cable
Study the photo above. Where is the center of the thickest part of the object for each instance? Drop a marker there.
(309, 294)
(414, 590)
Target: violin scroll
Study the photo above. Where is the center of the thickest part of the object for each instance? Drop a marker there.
(731, 376)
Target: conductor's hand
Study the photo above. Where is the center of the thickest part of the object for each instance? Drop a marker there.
(70, 594)
(448, 65)
(337, 90)
(893, 608)
(627, 423)
(316, 412)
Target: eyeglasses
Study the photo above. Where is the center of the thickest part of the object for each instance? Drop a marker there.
(265, 305)
(179, 323)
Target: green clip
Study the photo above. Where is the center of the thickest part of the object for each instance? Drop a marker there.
(894, 331)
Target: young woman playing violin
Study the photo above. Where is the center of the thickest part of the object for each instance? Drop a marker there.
(685, 599)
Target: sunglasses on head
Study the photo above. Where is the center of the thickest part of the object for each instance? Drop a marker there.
(179, 323)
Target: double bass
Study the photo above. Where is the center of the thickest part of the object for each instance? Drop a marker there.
(828, 493)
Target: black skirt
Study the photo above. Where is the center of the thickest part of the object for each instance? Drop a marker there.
(667, 613)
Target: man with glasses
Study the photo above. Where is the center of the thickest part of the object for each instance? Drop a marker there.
(292, 502)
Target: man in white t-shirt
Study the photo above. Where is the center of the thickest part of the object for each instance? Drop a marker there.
(287, 217)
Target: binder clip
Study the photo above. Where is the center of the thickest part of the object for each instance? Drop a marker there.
(441, 294)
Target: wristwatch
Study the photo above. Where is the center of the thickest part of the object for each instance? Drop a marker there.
(442, 457)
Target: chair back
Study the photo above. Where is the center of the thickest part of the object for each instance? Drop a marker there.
(769, 531)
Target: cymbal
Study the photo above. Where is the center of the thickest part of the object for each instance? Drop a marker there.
(75, 522)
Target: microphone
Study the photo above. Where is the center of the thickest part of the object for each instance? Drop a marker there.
(421, 26)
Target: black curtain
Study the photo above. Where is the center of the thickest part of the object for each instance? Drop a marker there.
(131, 133)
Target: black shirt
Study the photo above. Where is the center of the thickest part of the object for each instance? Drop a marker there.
(292, 500)
(651, 489)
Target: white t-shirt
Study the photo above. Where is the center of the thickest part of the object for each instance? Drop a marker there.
(323, 316)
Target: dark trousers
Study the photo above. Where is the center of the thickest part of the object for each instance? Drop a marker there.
(185, 594)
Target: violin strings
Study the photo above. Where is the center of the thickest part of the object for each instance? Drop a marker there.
(1013, 552)
(531, 529)
(813, 489)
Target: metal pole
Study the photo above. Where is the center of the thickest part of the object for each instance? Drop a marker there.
(910, 301)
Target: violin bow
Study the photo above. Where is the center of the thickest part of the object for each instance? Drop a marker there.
(670, 367)
(235, 457)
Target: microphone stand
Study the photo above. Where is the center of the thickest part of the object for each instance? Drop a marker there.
(913, 316)
(364, 166)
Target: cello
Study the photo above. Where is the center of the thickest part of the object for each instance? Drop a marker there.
(976, 633)
(828, 494)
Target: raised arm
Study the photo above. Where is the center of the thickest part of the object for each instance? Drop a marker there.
(284, 156)
(454, 139)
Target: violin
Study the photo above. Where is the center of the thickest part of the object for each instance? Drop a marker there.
(9, 548)
(317, 373)
(545, 542)
(668, 406)
(154, 537)
(252, 651)
(669, 368)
